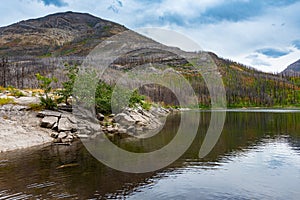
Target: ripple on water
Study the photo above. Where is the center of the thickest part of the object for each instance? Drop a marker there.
(7, 195)
(41, 185)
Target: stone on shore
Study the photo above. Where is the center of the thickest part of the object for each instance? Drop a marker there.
(65, 124)
(49, 113)
(27, 100)
(124, 119)
(49, 121)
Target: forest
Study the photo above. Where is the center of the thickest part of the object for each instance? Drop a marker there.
(245, 86)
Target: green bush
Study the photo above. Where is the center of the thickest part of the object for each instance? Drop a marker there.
(103, 99)
(45, 84)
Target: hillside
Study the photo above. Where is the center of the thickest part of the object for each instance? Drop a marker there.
(44, 45)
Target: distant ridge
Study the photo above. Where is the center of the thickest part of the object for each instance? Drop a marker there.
(293, 68)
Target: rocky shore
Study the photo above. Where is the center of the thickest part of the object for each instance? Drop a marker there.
(21, 127)
(132, 122)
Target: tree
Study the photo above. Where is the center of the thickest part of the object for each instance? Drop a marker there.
(67, 91)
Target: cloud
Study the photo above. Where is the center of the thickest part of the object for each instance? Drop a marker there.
(232, 29)
(256, 60)
(296, 44)
(58, 3)
(273, 53)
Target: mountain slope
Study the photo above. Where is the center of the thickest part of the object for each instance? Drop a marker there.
(60, 34)
(44, 45)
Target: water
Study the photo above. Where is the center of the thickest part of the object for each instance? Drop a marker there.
(256, 157)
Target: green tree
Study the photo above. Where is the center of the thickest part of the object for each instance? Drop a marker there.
(67, 91)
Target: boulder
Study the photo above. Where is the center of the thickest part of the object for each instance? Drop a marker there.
(131, 129)
(124, 120)
(70, 117)
(27, 100)
(100, 117)
(138, 119)
(93, 127)
(62, 135)
(54, 134)
(49, 113)
(49, 121)
(122, 131)
(65, 124)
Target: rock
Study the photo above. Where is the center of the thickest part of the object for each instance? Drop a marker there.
(62, 135)
(100, 117)
(111, 115)
(93, 127)
(138, 118)
(45, 113)
(65, 107)
(131, 129)
(20, 108)
(71, 117)
(55, 126)
(122, 131)
(82, 136)
(57, 140)
(11, 107)
(54, 135)
(124, 120)
(27, 100)
(139, 129)
(64, 124)
(49, 121)
(112, 129)
(70, 138)
(83, 113)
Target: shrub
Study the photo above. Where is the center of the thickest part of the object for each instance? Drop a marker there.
(45, 84)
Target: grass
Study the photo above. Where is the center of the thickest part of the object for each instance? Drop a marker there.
(4, 101)
(36, 107)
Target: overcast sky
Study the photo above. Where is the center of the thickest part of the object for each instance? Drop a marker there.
(264, 34)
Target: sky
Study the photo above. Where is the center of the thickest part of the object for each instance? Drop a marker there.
(264, 34)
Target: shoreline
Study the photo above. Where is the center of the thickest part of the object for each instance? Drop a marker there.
(20, 128)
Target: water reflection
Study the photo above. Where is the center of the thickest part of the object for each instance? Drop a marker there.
(256, 157)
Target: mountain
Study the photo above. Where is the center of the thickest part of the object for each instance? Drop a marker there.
(293, 68)
(45, 44)
(60, 34)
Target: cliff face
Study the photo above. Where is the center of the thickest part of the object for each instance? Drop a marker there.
(60, 34)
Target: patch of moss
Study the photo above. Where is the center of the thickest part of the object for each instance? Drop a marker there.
(4, 101)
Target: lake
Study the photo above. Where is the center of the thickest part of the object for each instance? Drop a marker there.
(256, 157)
